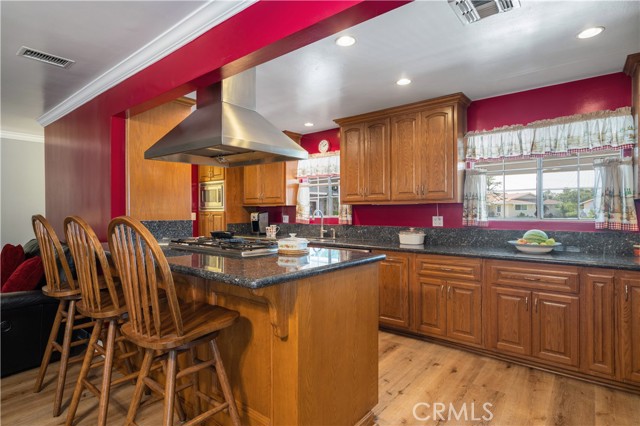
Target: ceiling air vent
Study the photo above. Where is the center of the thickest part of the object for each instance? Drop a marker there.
(37, 55)
(470, 11)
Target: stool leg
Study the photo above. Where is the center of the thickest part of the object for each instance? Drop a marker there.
(170, 389)
(84, 372)
(224, 384)
(123, 349)
(49, 349)
(106, 374)
(194, 378)
(64, 358)
(140, 386)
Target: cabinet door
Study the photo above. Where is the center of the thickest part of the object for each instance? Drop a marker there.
(598, 322)
(431, 306)
(556, 328)
(377, 183)
(629, 309)
(204, 173)
(216, 173)
(405, 158)
(203, 223)
(510, 320)
(252, 185)
(272, 176)
(352, 163)
(438, 150)
(217, 221)
(464, 312)
(394, 290)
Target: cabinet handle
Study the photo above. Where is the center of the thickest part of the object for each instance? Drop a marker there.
(626, 292)
(422, 189)
(528, 278)
(449, 292)
(442, 290)
(535, 304)
(418, 190)
(445, 269)
(526, 303)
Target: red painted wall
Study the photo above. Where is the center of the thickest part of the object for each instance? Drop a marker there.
(84, 151)
(578, 97)
(310, 141)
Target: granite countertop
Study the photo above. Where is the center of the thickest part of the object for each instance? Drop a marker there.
(505, 253)
(263, 271)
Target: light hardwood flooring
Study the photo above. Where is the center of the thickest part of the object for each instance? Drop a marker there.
(410, 372)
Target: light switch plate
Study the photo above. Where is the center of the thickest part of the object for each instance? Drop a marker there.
(285, 218)
(437, 221)
(193, 216)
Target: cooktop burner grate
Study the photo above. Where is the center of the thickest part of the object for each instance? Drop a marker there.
(236, 247)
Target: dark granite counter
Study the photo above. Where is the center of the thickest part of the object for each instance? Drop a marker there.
(257, 272)
(505, 253)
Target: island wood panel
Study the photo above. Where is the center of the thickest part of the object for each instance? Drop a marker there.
(157, 190)
(303, 352)
(598, 322)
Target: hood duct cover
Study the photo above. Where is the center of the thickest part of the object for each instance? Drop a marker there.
(226, 131)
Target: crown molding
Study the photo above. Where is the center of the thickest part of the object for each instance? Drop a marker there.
(192, 26)
(27, 137)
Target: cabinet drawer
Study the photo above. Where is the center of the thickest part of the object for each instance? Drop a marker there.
(534, 276)
(449, 267)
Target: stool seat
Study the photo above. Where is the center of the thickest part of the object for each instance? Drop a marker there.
(66, 292)
(108, 310)
(198, 320)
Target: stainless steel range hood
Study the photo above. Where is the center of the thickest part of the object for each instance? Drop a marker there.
(226, 131)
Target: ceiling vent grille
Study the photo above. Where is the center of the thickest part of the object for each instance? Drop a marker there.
(48, 58)
(470, 11)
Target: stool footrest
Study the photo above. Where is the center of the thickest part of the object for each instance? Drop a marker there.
(195, 368)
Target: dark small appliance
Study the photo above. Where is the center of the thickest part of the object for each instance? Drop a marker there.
(259, 222)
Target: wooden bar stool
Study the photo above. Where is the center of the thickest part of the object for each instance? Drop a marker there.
(164, 325)
(65, 289)
(102, 301)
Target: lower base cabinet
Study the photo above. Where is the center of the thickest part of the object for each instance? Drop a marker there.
(628, 286)
(211, 221)
(598, 322)
(394, 307)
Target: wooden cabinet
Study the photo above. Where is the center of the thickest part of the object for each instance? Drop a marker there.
(365, 162)
(529, 322)
(271, 184)
(394, 276)
(207, 173)
(448, 298)
(408, 154)
(598, 322)
(211, 221)
(628, 289)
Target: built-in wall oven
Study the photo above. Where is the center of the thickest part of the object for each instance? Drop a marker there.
(212, 195)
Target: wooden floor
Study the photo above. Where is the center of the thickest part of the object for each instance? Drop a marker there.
(411, 372)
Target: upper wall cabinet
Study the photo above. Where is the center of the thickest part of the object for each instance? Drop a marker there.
(272, 184)
(405, 155)
(207, 173)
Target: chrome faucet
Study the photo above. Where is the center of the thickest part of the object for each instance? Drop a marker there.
(322, 230)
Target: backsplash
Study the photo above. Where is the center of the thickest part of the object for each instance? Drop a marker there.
(605, 243)
(169, 228)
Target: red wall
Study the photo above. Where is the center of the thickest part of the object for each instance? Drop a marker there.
(578, 97)
(84, 151)
(310, 140)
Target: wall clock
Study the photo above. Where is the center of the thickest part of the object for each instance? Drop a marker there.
(323, 145)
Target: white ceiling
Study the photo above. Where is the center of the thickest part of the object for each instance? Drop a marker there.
(530, 47)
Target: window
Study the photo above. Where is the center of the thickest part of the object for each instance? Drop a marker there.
(543, 188)
(324, 194)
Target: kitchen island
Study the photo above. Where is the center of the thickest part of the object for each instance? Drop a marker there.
(305, 349)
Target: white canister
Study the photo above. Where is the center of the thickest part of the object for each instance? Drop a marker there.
(411, 236)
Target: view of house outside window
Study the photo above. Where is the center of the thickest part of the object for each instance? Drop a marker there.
(324, 194)
(543, 188)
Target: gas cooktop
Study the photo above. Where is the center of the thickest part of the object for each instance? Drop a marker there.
(235, 247)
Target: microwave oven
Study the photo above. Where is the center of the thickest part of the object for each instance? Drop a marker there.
(212, 195)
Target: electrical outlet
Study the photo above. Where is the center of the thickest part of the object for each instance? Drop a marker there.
(437, 221)
(285, 218)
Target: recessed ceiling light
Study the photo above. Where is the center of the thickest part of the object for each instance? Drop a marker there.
(345, 41)
(591, 32)
(403, 82)
(308, 124)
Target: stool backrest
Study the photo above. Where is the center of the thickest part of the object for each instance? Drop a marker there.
(51, 252)
(88, 254)
(144, 273)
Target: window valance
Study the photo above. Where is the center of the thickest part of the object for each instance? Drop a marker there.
(320, 165)
(559, 136)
